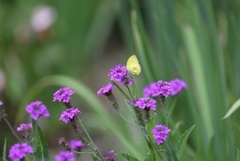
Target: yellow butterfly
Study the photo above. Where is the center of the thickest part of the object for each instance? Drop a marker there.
(133, 66)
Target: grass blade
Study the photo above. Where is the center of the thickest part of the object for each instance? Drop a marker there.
(182, 142)
(4, 150)
(238, 155)
(234, 107)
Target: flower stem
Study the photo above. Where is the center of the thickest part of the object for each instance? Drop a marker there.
(129, 91)
(128, 120)
(87, 133)
(127, 97)
(93, 147)
(10, 127)
(172, 105)
(134, 89)
(83, 152)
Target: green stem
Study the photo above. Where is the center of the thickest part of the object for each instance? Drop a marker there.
(127, 97)
(172, 105)
(128, 120)
(129, 91)
(10, 127)
(93, 147)
(84, 152)
(134, 89)
(84, 129)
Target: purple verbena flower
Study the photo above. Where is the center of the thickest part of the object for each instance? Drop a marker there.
(1, 103)
(147, 103)
(24, 128)
(65, 156)
(157, 88)
(126, 81)
(118, 73)
(160, 133)
(19, 151)
(37, 109)
(63, 94)
(69, 114)
(76, 145)
(110, 156)
(177, 86)
(144, 103)
(106, 90)
(134, 101)
(147, 91)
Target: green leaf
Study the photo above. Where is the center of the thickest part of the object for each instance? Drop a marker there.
(182, 142)
(127, 156)
(234, 107)
(150, 126)
(4, 150)
(238, 155)
(39, 143)
(171, 154)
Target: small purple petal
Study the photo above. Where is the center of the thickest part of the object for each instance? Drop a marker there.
(157, 88)
(177, 86)
(160, 133)
(76, 144)
(65, 156)
(110, 156)
(106, 90)
(37, 109)
(69, 114)
(144, 103)
(63, 94)
(118, 73)
(19, 151)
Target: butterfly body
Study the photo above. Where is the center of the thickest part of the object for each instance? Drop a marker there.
(133, 65)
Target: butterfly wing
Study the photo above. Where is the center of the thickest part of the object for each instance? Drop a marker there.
(133, 65)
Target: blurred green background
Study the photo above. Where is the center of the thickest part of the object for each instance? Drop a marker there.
(51, 44)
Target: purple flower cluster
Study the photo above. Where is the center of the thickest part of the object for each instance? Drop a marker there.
(63, 94)
(177, 86)
(25, 128)
(144, 103)
(76, 145)
(160, 133)
(106, 90)
(65, 156)
(110, 156)
(37, 109)
(119, 73)
(157, 88)
(69, 114)
(19, 151)
(1, 103)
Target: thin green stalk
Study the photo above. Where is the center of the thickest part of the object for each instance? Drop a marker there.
(93, 145)
(84, 129)
(10, 127)
(134, 89)
(128, 120)
(129, 91)
(84, 152)
(172, 105)
(120, 89)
